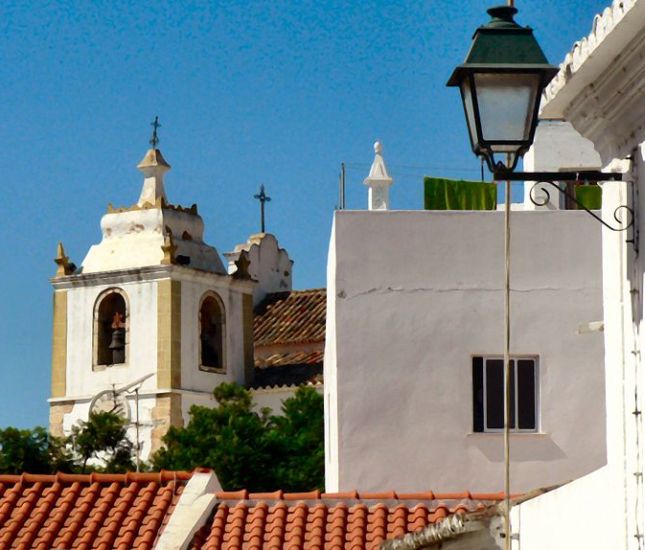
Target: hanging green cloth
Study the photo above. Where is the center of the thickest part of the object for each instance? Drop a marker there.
(445, 194)
(589, 196)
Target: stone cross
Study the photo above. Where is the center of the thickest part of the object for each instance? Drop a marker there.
(154, 141)
(262, 197)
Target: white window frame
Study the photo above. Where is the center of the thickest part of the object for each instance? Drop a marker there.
(536, 386)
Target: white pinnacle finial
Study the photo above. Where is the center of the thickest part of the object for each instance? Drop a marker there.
(153, 166)
(379, 181)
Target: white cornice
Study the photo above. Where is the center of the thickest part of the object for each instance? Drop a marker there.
(152, 273)
(601, 83)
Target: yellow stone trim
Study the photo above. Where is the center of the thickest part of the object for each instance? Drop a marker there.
(169, 334)
(165, 413)
(247, 328)
(59, 344)
(57, 412)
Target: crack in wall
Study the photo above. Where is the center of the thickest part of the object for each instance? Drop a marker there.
(390, 289)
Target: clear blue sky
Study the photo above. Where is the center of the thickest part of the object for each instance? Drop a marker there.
(247, 93)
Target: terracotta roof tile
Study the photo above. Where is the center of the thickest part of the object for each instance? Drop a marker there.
(294, 317)
(350, 520)
(102, 511)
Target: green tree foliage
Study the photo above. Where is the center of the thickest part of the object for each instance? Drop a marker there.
(102, 437)
(250, 449)
(298, 438)
(32, 451)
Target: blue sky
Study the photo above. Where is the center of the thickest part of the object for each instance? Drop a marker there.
(247, 93)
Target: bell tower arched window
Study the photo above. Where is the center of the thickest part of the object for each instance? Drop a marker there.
(110, 328)
(211, 333)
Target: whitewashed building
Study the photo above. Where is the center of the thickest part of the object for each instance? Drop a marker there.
(413, 384)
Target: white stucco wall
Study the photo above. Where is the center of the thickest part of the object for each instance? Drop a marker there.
(193, 289)
(569, 518)
(141, 358)
(412, 296)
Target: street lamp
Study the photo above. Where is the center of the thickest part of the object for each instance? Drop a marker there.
(501, 84)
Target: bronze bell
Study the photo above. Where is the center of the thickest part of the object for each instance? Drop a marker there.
(117, 345)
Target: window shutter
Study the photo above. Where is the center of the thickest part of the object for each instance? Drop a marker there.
(478, 394)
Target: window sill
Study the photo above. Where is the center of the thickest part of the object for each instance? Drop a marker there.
(512, 434)
(100, 368)
(215, 370)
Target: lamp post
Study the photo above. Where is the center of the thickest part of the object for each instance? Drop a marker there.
(501, 83)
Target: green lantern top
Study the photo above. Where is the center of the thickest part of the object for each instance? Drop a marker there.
(504, 45)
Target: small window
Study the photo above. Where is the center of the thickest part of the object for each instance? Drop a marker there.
(488, 394)
(110, 329)
(211, 321)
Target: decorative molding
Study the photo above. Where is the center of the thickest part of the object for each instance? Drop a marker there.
(153, 273)
(611, 112)
(242, 267)
(169, 248)
(160, 203)
(65, 267)
(603, 24)
(599, 88)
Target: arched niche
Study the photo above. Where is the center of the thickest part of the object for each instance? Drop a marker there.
(212, 332)
(111, 323)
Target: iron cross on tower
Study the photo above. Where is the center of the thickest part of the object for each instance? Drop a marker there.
(262, 197)
(154, 140)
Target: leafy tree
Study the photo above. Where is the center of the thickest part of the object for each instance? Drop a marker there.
(250, 449)
(103, 437)
(230, 438)
(32, 451)
(299, 440)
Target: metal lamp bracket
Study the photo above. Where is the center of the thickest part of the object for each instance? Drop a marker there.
(623, 214)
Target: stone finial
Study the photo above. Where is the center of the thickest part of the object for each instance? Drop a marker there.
(379, 181)
(153, 166)
(169, 248)
(242, 264)
(65, 267)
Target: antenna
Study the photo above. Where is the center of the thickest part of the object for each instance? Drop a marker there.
(341, 187)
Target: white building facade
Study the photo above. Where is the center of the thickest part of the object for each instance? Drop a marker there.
(414, 342)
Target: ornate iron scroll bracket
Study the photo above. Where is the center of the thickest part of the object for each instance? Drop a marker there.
(623, 214)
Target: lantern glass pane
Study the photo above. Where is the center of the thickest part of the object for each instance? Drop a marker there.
(467, 97)
(506, 106)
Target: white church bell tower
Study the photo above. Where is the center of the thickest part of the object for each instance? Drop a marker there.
(151, 321)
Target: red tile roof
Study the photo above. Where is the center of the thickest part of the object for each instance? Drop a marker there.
(294, 317)
(315, 521)
(102, 511)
